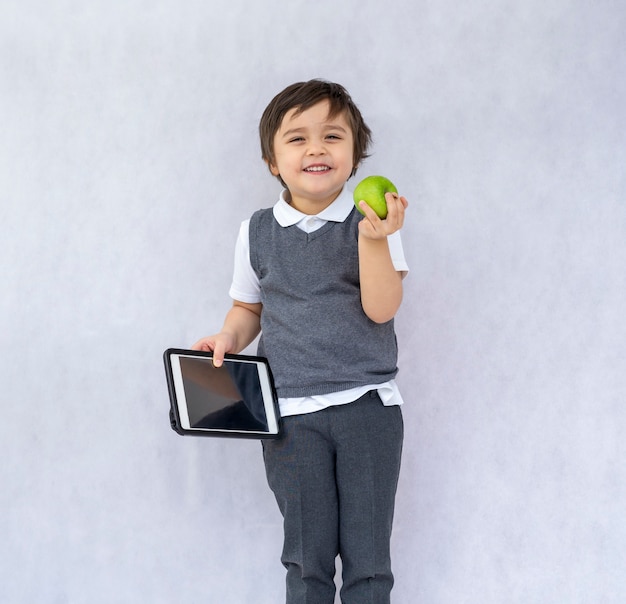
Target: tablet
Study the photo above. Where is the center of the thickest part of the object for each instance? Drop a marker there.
(237, 399)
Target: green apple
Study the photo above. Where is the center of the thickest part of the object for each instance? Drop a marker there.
(372, 190)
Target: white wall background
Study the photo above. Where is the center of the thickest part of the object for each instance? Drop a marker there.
(128, 158)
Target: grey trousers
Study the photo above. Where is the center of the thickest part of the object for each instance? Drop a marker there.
(334, 474)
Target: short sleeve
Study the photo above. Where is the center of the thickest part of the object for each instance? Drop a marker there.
(245, 284)
(397, 252)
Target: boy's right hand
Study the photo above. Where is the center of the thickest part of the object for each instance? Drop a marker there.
(242, 325)
(219, 344)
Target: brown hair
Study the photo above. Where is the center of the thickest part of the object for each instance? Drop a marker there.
(303, 95)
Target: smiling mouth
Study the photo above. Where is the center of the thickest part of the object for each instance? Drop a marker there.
(317, 169)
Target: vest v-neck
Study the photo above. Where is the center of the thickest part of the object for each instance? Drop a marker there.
(318, 232)
(308, 237)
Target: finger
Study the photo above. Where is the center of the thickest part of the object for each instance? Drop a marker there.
(392, 202)
(369, 212)
(218, 353)
(201, 345)
(395, 211)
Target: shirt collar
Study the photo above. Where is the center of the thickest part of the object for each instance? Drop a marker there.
(286, 215)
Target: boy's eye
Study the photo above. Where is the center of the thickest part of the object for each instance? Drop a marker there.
(299, 139)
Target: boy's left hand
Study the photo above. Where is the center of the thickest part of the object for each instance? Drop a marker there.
(373, 227)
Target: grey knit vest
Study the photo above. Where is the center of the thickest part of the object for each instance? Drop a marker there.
(315, 334)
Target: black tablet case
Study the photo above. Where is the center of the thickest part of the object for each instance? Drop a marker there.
(251, 423)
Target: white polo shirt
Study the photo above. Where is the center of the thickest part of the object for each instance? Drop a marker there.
(245, 288)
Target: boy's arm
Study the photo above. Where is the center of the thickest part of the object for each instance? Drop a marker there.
(381, 284)
(241, 326)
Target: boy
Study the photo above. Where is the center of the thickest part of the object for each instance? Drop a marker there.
(322, 284)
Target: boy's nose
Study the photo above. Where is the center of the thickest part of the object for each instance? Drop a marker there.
(316, 148)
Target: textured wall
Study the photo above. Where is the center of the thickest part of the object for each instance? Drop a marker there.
(129, 156)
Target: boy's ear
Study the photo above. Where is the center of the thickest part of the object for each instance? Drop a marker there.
(273, 168)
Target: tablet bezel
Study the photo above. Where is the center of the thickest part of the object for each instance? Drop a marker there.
(178, 409)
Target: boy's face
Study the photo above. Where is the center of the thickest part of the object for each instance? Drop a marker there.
(314, 156)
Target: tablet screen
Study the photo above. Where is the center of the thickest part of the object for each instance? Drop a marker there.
(236, 399)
